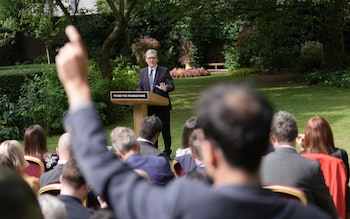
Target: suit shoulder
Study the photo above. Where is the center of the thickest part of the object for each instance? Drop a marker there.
(162, 68)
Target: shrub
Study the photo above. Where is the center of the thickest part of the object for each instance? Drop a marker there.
(8, 120)
(13, 77)
(337, 78)
(43, 101)
(141, 46)
(311, 56)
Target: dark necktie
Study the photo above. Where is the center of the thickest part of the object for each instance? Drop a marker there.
(150, 78)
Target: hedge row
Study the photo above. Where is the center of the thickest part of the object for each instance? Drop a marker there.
(13, 77)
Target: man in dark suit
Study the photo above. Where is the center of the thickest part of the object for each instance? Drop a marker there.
(286, 167)
(128, 150)
(151, 126)
(235, 121)
(63, 150)
(74, 191)
(157, 79)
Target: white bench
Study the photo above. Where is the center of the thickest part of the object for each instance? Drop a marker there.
(218, 66)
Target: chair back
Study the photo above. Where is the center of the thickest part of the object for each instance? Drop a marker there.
(176, 168)
(36, 166)
(52, 189)
(335, 175)
(288, 193)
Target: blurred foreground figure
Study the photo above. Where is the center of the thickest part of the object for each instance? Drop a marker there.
(17, 199)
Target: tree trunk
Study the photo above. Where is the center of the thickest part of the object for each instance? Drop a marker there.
(106, 48)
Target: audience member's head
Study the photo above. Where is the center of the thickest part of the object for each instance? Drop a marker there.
(150, 128)
(318, 136)
(124, 140)
(73, 181)
(63, 149)
(187, 130)
(284, 128)
(236, 123)
(71, 175)
(35, 141)
(6, 162)
(193, 143)
(14, 150)
(17, 198)
(52, 207)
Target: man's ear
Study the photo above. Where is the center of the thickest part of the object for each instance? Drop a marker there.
(273, 139)
(61, 179)
(155, 137)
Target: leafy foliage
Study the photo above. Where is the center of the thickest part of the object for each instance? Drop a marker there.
(141, 46)
(336, 78)
(311, 56)
(8, 120)
(43, 101)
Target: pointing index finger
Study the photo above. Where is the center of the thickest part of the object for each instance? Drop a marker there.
(73, 35)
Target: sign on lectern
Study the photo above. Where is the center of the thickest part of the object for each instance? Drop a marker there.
(140, 100)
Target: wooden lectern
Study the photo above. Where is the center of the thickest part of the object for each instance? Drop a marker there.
(140, 100)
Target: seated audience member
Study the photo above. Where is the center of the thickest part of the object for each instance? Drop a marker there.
(183, 155)
(318, 144)
(14, 150)
(63, 150)
(52, 207)
(74, 191)
(151, 127)
(128, 149)
(199, 173)
(235, 121)
(18, 201)
(326, 144)
(187, 130)
(35, 144)
(286, 167)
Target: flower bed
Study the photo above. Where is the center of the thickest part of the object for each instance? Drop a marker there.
(185, 73)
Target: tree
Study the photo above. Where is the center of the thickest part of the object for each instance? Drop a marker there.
(121, 10)
(32, 18)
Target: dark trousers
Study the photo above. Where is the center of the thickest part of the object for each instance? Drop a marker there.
(163, 112)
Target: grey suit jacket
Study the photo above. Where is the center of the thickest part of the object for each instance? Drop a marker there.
(285, 166)
(130, 196)
(52, 176)
(147, 148)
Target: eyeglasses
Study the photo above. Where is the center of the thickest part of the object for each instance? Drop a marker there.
(151, 58)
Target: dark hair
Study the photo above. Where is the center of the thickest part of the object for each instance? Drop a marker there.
(284, 127)
(150, 126)
(236, 119)
(35, 141)
(72, 175)
(188, 128)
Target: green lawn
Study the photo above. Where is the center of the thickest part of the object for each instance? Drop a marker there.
(303, 101)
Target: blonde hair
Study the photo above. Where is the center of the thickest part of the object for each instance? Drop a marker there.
(14, 150)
